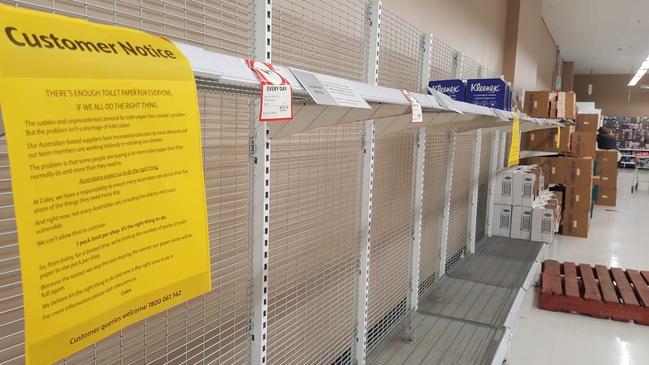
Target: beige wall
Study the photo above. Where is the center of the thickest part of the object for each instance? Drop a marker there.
(530, 51)
(529, 27)
(475, 27)
(611, 94)
(506, 36)
(546, 57)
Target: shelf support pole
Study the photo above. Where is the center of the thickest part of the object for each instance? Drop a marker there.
(260, 198)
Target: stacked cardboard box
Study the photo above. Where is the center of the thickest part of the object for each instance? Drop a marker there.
(607, 179)
(576, 174)
(566, 105)
(541, 104)
(549, 139)
(588, 122)
(517, 197)
(550, 104)
(578, 196)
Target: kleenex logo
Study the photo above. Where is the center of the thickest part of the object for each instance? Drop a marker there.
(488, 88)
(447, 89)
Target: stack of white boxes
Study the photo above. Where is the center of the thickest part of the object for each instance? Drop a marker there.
(546, 216)
(521, 204)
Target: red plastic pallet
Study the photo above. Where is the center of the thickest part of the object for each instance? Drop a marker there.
(599, 292)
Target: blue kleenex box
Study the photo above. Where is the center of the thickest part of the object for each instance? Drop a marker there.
(453, 88)
(491, 93)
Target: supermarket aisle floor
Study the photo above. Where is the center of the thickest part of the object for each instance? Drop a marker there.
(618, 237)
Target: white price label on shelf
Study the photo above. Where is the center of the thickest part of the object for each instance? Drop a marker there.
(276, 93)
(417, 113)
(329, 90)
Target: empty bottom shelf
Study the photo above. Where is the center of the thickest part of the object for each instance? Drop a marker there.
(464, 318)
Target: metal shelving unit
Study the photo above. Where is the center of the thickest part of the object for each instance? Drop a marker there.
(326, 231)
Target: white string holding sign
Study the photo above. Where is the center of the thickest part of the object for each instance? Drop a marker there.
(276, 93)
(417, 113)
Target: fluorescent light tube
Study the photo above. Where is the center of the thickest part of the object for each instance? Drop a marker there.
(642, 70)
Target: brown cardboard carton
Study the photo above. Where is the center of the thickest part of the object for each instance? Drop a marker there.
(558, 170)
(540, 140)
(587, 122)
(546, 139)
(565, 134)
(579, 171)
(606, 196)
(542, 163)
(537, 103)
(607, 162)
(608, 180)
(566, 105)
(553, 107)
(576, 223)
(579, 197)
(583, 144)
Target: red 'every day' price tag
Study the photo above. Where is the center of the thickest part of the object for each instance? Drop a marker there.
(276, 93)
(417, 113)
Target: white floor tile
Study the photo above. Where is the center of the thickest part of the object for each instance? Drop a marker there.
(618, 237)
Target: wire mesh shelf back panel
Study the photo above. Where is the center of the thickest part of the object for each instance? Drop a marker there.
(471, 69)
(392, 225)
(443, 63)
(225, 26)
(483, 185)
(460, 199)
(211, 328)
(327, 36)
(400, 54)
(314, 244)
(432, 207)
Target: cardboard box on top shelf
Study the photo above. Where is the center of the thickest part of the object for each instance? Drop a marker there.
(578, 171)
(501, 220)
(521, 222)
(566, 105)
(576, 223)
(587, 122)
(553, 107)
(583, 144)
(537, 103)
(607, 196)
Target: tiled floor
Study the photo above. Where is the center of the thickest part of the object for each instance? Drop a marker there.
(618, 237)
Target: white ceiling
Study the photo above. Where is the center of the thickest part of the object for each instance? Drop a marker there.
(602, 36)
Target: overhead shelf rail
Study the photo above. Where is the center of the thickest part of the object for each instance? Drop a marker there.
(390, 109)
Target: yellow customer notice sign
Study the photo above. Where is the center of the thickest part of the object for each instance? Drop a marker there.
(103, 134)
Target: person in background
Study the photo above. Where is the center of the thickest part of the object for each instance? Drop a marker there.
(604, 140)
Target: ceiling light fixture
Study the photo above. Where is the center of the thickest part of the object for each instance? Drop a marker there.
(644, 67)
